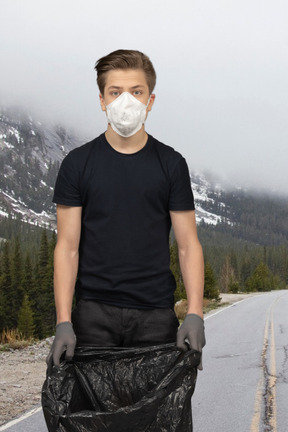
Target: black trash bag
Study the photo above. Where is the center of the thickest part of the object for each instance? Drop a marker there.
(122, 390)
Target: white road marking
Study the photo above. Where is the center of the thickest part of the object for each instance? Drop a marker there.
(18, 420)
(225, 308)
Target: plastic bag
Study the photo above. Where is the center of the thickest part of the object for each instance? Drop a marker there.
(122, 390)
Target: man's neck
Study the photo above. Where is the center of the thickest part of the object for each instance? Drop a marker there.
(126, 145)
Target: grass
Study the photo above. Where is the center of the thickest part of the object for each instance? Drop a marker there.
(13, 339)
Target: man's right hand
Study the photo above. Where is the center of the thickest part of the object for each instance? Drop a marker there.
(65, 340)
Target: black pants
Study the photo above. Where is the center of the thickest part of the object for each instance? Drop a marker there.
(98, 324)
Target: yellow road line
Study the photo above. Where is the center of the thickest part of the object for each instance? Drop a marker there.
(272, 380)
(255, 424)
(270, 402)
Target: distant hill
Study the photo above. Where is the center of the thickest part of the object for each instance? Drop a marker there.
(244, 215)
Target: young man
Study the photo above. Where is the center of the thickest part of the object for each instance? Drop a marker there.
(116, 197)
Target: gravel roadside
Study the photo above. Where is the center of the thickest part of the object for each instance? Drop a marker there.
(22, 373)
(229, 299)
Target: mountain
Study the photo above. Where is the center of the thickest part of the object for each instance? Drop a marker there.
(206, 194)
(30, 156)
(31, 152)
(245, 215)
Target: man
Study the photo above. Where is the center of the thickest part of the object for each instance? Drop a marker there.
(116, 197)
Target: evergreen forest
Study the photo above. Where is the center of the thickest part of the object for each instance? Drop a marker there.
(26, 279)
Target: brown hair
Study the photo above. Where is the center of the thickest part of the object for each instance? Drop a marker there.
(125, 59)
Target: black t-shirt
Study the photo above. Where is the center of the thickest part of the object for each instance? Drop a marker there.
(124, 257)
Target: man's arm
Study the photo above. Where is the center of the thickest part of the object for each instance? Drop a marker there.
(66, 259)
(190, 258)
(65, 273)
(192, 269)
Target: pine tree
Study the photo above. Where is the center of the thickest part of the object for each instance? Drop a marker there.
(36, 302)
(261, 279)
(2, 298)
(28, 283)
(45, 309)
(16, 277)
(5, 289)
(43, 256)
(245, 269)
(49, 304)
(41, 282)
(210, 283)
(29, 286)
(25, 319)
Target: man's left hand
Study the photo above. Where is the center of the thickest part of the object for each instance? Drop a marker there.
(192, 329)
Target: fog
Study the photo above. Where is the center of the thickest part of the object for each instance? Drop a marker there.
(222, 82)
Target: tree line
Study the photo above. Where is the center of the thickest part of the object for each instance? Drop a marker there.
(236, 266)
(26, 273)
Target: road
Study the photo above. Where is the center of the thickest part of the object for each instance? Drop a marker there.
(243, 387)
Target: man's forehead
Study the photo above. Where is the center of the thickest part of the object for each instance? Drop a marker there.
(120, 77)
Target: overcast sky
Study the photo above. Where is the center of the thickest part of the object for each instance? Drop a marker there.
(222, 74)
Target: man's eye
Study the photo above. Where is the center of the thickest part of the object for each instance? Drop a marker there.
(137, 92)
(115, 93)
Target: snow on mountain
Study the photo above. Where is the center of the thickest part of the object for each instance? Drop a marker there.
(10, 206)
(208, 205)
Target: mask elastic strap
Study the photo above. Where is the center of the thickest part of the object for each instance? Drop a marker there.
(148, 100)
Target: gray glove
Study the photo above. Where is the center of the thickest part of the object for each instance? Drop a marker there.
(192, 329)
(65, 339)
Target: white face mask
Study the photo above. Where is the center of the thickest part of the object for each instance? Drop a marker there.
(126, 114)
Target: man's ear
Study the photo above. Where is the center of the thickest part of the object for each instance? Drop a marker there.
(102, 103)
(151, 102)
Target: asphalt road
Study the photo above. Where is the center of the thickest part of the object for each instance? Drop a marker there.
(243, 387)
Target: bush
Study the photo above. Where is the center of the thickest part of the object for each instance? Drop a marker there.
(181, 308)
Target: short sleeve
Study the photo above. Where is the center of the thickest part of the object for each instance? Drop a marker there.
(181, 195)
(67, 191)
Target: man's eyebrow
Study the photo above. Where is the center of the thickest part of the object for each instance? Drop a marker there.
(114, 87)
(119, 88)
